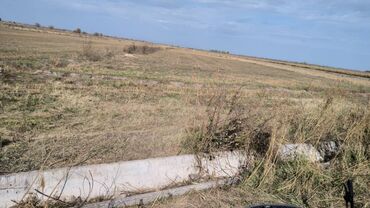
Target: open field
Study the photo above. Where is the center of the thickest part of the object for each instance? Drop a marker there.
(71, 99)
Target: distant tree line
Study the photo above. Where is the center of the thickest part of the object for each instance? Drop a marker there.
(79, 31)
(219, 51)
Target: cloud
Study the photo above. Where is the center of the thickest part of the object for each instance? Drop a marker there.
(303, 20)
(330, 11)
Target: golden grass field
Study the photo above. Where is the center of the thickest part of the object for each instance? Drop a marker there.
(71, 99)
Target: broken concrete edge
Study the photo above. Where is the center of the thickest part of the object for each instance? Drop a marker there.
(294, 151)
(323, 154)
(147, 198)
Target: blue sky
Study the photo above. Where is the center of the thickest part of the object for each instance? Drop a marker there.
(326, 32)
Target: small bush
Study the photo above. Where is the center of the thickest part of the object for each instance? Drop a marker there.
(51, 27)
(140, 49)
(224, 128)
(77, 30)
(98, 34)
(37, 25)
(90, 53)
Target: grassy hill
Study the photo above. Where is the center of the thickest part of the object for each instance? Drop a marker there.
(71, 99)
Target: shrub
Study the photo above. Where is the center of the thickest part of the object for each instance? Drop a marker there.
(130, 49)
(224, 128)
(90, 53)
(98, 34)
(259, 133)
(37, 25)
(77, 30)
(51, 27)
(141, 49)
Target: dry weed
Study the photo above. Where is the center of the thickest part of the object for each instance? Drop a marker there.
(338, 120)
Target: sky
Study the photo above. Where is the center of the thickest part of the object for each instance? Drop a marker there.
(325, 32)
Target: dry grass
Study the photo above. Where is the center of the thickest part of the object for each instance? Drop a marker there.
(363, 74)
(69, 99)
(232, 125)
(221, 197)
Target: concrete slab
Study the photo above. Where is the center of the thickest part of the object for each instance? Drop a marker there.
(292, 151)
(117, 179)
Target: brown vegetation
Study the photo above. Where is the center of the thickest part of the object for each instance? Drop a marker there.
(141, 49)
(77, 30)
(345, 122)
(82, 100)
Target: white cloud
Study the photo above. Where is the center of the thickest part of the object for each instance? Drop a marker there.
(236, 17)
(319, 10)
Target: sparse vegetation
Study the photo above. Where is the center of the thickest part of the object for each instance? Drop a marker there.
(90, 53)
(77, 30)
(83, 100)
(140, 49)
(33, 201)
(59, 62)
(231, 125)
